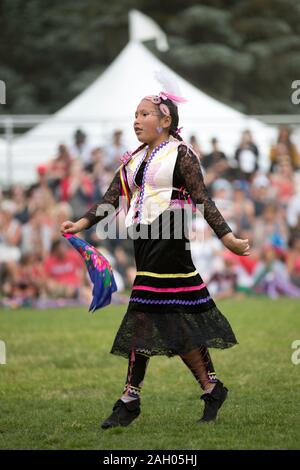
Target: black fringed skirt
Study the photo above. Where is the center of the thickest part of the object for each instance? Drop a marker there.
(170, 311)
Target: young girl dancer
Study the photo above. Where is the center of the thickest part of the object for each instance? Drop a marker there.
(170, 311)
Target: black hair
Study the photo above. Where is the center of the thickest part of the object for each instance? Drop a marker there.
(174, 116)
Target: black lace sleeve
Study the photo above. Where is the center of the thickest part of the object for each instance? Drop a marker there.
(188, 168)
(110, 198)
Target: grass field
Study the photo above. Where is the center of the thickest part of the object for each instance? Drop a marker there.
(60, 382)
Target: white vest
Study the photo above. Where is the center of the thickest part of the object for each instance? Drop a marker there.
(155, 194)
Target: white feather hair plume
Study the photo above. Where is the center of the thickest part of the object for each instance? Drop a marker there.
(168, 82)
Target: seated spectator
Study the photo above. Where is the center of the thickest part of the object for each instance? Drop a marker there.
(293, 260)
(205, 248)
(283, 147)
(223, 283)
(10, 232)
(293, 208)
(37, 234)
(247, 155)
(124, 265)
(64, 271)
(241, 266)
(244, 268)
(283, 180)
(271, 276)
(27, 280)
(242, 206)
(271, 227)
(6, 276)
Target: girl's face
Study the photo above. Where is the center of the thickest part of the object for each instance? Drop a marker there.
(149, 124)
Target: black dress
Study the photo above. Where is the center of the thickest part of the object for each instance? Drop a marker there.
(170, 311)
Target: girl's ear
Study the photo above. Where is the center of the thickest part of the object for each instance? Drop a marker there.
(166, 122)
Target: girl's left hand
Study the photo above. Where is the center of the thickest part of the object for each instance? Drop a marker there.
(238, 246)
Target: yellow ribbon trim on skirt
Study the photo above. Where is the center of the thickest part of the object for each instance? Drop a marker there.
(148, 273)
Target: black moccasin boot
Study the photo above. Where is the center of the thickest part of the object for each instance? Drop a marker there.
(123, 414)
(213, 402)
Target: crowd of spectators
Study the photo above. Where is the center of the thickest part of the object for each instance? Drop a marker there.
(38, 267)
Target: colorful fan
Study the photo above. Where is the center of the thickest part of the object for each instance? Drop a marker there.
(99, 269)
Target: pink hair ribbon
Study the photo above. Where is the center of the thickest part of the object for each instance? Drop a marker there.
(177, 99)
(164, 95)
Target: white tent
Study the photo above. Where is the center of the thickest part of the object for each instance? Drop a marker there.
(110, 103)
(2, 144)
(3, 160)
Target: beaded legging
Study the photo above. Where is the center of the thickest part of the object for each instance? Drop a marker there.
(198, 361)
(137, 365)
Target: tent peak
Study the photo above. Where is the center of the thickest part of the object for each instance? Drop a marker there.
(143, 28)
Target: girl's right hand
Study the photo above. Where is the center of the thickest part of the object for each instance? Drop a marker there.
(70, 227)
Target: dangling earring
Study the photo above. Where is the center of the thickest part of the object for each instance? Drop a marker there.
(159, 130)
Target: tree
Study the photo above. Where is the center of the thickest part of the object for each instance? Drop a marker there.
(243, 52)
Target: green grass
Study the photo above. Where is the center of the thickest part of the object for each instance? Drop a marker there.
(60, 382)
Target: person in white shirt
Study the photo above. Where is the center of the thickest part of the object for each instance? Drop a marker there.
(114, 151)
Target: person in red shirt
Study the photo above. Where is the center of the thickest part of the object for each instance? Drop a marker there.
(64, 271)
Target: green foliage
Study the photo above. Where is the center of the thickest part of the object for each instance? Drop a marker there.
(243, 52)
(201, 23)
(56, 49)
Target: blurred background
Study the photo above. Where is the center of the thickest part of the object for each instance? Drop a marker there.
(72, 75)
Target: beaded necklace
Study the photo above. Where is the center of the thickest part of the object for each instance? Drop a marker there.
(140, 197)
